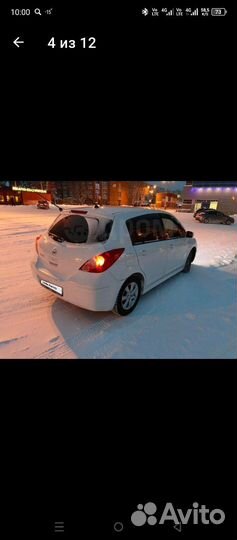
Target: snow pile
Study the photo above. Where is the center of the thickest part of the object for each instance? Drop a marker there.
(190, 316)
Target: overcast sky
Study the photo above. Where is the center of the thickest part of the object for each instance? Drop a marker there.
(170, 184)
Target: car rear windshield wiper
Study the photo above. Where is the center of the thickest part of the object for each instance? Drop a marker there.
(56, 237)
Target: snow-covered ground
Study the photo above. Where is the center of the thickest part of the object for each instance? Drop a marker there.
(189, 316)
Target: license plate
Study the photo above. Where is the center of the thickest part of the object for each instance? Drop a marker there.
(52, 287)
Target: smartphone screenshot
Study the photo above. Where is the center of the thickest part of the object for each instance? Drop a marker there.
(118, 270)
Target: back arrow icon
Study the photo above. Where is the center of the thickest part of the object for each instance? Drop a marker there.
(178, 527)
(16, 42)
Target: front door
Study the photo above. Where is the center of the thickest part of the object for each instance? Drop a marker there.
(176, 243)
(147, 238)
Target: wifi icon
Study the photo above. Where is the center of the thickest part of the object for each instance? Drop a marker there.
(145, 11)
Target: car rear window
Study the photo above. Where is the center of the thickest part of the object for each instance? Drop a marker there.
(78, 229)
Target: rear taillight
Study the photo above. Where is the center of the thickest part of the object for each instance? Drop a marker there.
(101, 263)
(36, 243)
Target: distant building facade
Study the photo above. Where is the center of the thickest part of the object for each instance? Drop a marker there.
(126, 192)
(105, 192)
(165, 199)
(15, 195)
(220, 195)
(81, 192)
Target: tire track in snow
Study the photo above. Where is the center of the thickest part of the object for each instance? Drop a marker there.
(59, 350)
(125, 331)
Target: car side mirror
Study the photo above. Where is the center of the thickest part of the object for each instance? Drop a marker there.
(189, 234)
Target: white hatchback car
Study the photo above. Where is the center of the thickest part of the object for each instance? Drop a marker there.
(104, 259)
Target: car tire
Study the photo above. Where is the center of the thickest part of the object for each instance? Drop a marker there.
(228, 222)
(128, 297)
(188, 263)
(206, 220)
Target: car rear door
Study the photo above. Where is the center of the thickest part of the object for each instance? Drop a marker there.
(146, 235)
(220, 218)
(176, 243)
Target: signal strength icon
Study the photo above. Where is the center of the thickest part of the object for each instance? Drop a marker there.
(170, 12)
(195, 12)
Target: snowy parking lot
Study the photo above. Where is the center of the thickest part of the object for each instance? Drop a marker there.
(189, 316)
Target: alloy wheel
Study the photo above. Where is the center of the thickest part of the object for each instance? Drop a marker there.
(130, 295)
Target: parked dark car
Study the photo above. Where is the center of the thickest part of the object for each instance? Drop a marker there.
(44, 205)
(201, 210)
(210, 216)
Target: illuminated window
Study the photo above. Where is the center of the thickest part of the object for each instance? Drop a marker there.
(197, 206)
(214, 205)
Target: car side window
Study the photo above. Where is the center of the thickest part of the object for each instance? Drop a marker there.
(145, 229)
(172, 229)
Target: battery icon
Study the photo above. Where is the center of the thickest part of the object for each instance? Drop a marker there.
(218, 12)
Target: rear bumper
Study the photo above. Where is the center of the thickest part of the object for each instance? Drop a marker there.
(87, 297)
